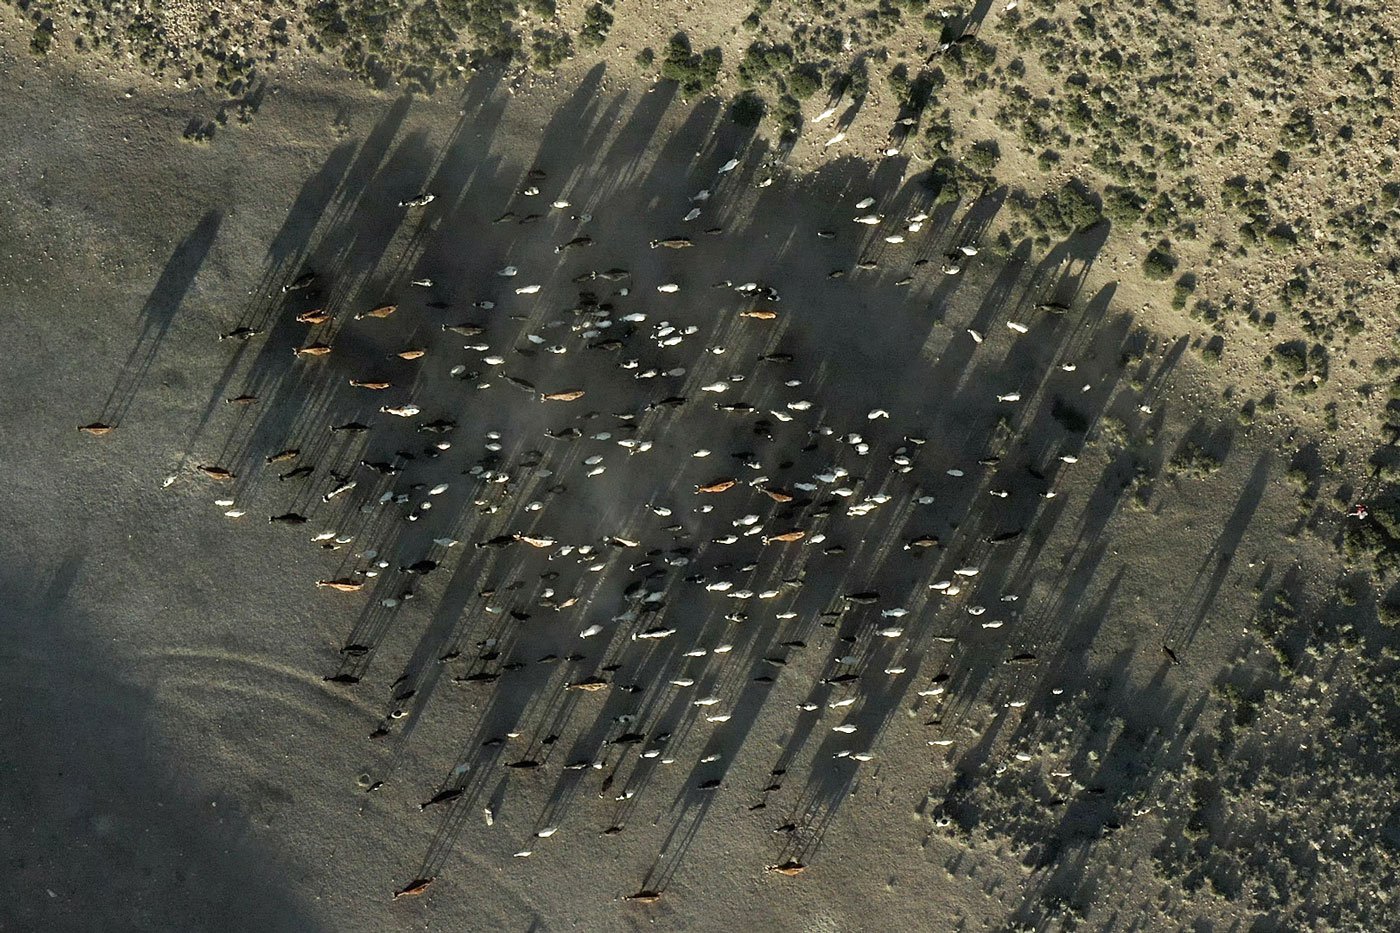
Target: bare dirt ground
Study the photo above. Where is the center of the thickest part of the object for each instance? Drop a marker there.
(1162, 701)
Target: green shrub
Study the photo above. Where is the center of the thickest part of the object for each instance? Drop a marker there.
(329, 26)
(789, 116)
(42, 40)
(974, 55)
(1292, 357)
(1159, 264)
(939, 134)
(596, 24)
(753, 67)
(984, 155)
(804, 81)
(747, 109)
(490, 22)
(914, 93)
(1299, 130)
(857, 81)
(1213, 349)
(1123, 205)
(1183, 290)
(1281, 238)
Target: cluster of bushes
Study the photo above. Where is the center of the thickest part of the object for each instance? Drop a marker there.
(491, 24)
(359, 31)
(852, 84)
(1296, 360)
(1375, 539)
(983, 156)
(1299, 130)
(944, 180)
(1069, 209)
(778, 65)
(428, 51)
(695, 73)
(551, 49)
(939, 135)
(970, 56)
(1123, 205)
(794, 81)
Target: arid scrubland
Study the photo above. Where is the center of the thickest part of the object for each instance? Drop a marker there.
(1242, 154)
(1236, 164)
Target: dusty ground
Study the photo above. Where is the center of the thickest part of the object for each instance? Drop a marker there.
(180, 758)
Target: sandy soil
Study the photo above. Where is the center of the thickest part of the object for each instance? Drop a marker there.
(190, 750)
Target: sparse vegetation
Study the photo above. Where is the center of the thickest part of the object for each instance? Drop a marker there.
(1253, 185)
